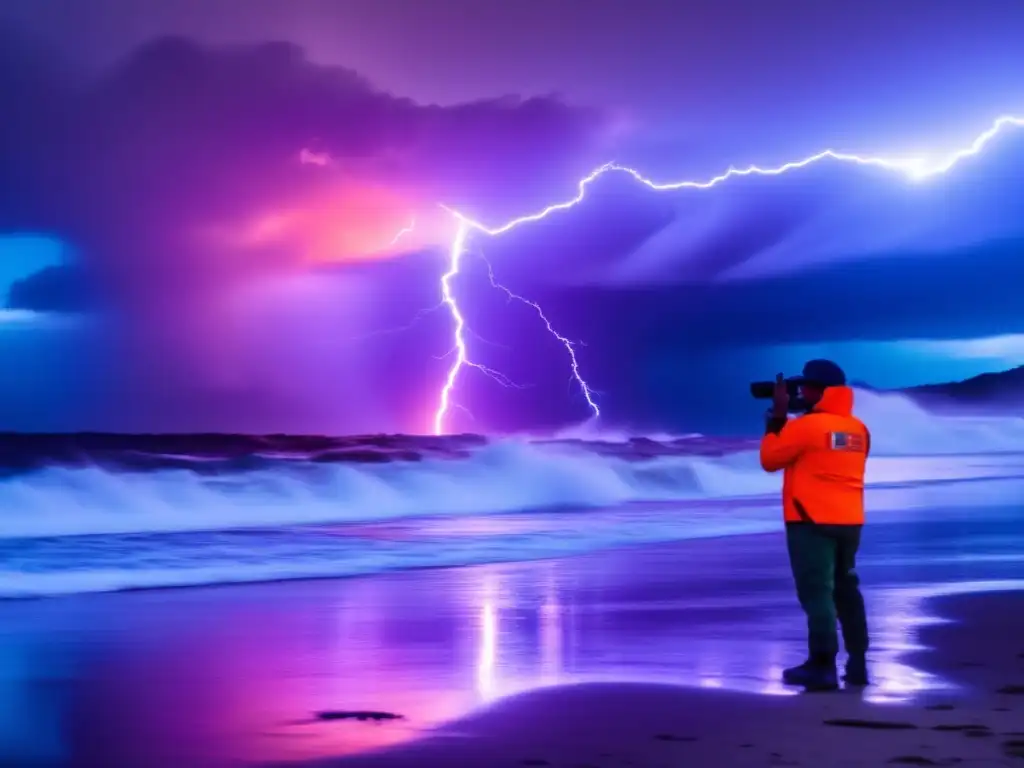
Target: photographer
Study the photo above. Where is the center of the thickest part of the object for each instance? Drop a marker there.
(822, 453)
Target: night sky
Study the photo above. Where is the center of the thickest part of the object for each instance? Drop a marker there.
(172, 263)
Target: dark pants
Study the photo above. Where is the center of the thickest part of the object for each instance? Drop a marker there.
(823, 558)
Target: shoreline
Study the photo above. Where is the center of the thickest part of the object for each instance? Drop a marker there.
(385, 572)
(758, 521)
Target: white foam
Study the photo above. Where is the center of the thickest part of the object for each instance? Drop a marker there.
(901, 427)
(505, 476)
(910, 447)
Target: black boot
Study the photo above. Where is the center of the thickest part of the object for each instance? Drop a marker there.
(856, 672)
(813, 675)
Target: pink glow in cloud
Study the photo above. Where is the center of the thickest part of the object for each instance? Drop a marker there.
(186, 174)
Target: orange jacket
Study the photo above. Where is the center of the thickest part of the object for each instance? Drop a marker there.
(823, 455)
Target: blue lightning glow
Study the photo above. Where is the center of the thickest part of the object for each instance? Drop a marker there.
(913, 168)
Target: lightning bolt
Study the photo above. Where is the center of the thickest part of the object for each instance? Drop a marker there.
(914, 168)
(402, 233)
(401, 328)
(570, 346)
(462, 359)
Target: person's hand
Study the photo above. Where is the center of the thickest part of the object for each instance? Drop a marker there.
(780, 397)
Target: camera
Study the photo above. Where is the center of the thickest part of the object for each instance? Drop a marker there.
(765, 390)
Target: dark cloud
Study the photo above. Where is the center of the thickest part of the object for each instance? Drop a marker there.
(178, 134)
(177, 138)
(35, 97)
(961, 293)
(53, 289)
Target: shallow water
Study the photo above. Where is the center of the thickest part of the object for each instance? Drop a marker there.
(55, 565)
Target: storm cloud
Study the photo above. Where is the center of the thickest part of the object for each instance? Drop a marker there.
(159, 168)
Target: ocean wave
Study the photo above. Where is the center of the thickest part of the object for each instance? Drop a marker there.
(899, 427)
(95, 483)
(83, 511)
(501, 476)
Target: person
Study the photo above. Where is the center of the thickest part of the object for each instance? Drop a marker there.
(823, 454)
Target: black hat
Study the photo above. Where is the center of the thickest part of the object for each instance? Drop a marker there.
(824, 373)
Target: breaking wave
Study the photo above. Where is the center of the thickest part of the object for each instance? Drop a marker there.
(75, 507)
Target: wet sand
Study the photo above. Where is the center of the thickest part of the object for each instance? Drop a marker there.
(661, 656)
(647, 724)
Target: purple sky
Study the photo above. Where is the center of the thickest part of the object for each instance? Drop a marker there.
(154, 165)
(842, 70)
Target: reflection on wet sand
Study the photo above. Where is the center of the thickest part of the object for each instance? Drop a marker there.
(203, 677)
(746, 664)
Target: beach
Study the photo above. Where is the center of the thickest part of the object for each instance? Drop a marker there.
(431, 386)
(648, 655)
(651, 724)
